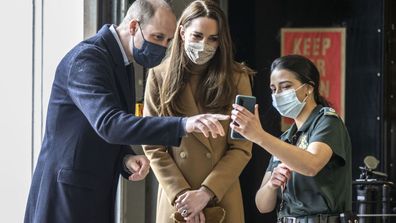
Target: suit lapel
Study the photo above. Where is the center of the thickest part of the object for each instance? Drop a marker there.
(191, 108)
(124, 76)
(125, 79)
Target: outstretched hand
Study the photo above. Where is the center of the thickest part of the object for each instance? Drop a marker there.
(206, 124)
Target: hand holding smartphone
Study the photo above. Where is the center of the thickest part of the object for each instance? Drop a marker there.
(248, 102)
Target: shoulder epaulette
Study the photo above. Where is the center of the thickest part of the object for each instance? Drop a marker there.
(329, 111)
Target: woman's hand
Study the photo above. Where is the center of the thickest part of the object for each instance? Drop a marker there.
(199, 218)
(246, 123)
(280, 176)
(192, 203)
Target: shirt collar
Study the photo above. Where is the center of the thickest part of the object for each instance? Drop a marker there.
(288, 135)
(311, 118)
(124, 56)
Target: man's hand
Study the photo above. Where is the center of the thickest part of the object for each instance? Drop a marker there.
(206, 124)
(139, 166)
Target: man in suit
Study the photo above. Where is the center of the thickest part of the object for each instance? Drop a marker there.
(91, 121)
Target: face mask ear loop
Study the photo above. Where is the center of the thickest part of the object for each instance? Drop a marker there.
(300, 87)
(306, 97)
(141, 32)
(309, 92)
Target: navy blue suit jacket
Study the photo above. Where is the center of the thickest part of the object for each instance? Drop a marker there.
(90, 123)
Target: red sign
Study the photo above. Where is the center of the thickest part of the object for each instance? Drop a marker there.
(325, 47)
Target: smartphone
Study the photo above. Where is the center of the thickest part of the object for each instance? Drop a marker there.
(248, 102)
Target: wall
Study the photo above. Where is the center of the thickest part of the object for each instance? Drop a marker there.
(36, 34)
(16, 108)
(59, 25)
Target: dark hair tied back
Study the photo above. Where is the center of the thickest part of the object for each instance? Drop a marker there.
(305, 71)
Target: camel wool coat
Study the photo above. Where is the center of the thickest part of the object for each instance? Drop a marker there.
(214, 163)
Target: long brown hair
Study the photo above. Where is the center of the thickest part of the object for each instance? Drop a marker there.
(217, 88)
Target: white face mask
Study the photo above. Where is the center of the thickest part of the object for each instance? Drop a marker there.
(288, 104)
(199, 52)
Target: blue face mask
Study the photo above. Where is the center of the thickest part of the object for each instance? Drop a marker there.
(150, 54)
(288, 104)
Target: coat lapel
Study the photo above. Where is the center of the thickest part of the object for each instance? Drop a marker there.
(124, 79)
(191, 108)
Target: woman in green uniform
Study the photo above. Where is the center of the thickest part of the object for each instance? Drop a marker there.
(309, 173)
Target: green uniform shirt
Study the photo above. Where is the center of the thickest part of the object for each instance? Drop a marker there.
(330, 191)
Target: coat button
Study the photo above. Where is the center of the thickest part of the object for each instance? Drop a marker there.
(183, 155)
(208, 155)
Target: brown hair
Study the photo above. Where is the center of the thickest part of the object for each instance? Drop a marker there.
(217, 88)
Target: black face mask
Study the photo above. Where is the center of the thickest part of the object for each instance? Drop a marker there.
(150, 54)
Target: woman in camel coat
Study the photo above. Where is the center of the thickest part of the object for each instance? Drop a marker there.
(198, 77)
